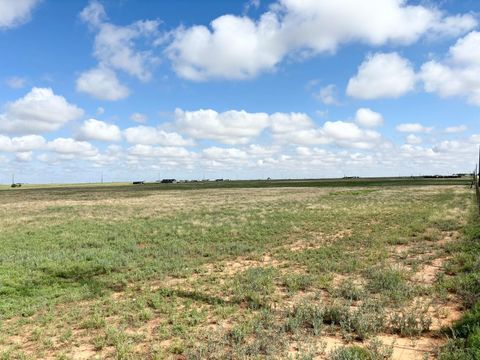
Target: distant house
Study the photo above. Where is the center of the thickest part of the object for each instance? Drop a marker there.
(138, 182)
(15, 185)
(169, 181)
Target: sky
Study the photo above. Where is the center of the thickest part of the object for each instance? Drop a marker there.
(237, 89)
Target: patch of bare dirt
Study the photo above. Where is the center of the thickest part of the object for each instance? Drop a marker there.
(412, 349)
(428, 274)
(318, 240)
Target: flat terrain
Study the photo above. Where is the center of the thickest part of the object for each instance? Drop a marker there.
(298, 270)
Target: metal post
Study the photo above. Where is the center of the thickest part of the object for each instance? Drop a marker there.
(477, 181)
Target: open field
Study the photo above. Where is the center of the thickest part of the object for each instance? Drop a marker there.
(122, 186)
(364, 269)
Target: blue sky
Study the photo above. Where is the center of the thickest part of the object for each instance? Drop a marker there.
(237, 89)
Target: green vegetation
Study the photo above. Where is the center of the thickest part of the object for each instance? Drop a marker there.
(279, 271)
(465, 334)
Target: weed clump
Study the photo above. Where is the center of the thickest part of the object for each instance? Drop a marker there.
(367, 320)
(389, 283)
(350, 291)
(411, 322)
(375, 350)
(254, 286)
(305, 316)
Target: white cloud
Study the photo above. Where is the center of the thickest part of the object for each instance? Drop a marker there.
(237, 47)
(296, 128)
(16, 82)
(222, 154)
(327, 95)
(283, 124)
(413, 139)
(413, 128)
(68, 146)
(149, 151)
(456, 129)
(382, 76)
(102, 83)
(239, 127)
(453, 26)
(38, 111)
(459, 73)
(93, 129)
(299, 129)
(139, 118)
(251, 4)
(94, 14)
(15, 12)
(147, 135)
(230, 127)
(350, 135)
(115, 46)
(24, 156)
(21, 144)
(368, 118)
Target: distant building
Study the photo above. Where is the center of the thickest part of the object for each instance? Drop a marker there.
(169, 181)
(138, 182)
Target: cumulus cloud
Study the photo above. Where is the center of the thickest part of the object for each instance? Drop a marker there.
(15, 12)
(22, 143)
(350, 135)
(159, 152)
(94, 14)
(413, 128)
(459, 73)
(238, 47)
(455, 129)
(24, 156)
(38, 111)
(368, 118)
(382, 75)
(296, 128)
(327, 95)
(413, 139)
(93, 129)
(69, 146)
(299, 129)
(117, 48)
(230, 127)
(102, 83)
(240, 127)
(147, 135)
(224, 154)
(235, 48)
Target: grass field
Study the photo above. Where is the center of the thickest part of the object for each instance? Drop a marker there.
(357, 269)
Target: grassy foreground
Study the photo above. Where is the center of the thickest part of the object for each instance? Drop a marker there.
(352, 272)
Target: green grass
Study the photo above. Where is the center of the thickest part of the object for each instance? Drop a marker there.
(138, 272)
(128, 187)
(465, 334)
